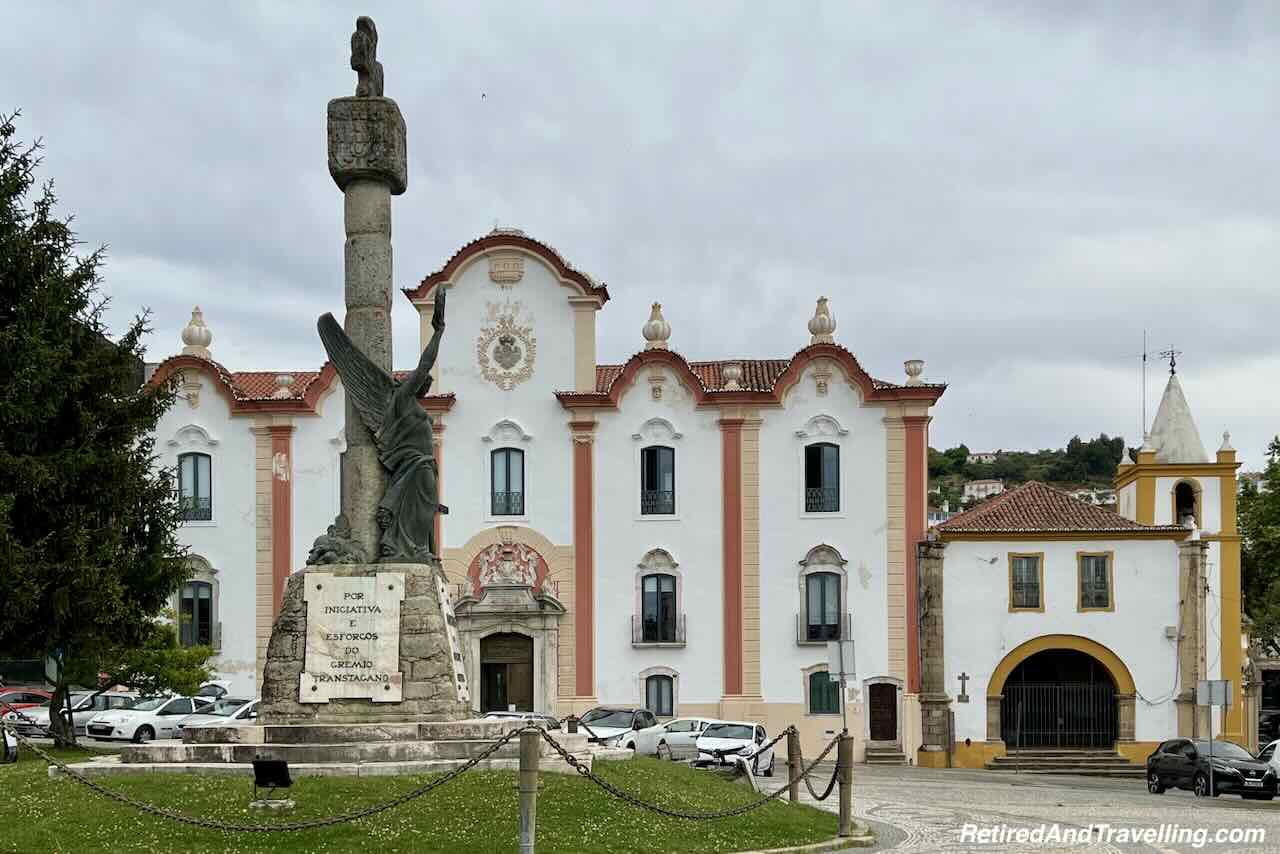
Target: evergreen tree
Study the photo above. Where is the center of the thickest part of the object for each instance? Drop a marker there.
(1258, 511)
(88, 555)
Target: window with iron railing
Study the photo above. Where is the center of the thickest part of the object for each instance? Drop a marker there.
(195, 492)
(506, 482)
(822, 478)
(659, 620)
(657, 481)
(822, 611)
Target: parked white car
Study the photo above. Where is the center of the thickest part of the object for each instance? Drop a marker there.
(679, 737)
(228, 711)
(1271, 755)
(84, 705)
(154, 717)
(636, 729)
(732, 739)
(544, 721)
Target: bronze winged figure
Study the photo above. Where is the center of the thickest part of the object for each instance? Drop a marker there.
(402, 430)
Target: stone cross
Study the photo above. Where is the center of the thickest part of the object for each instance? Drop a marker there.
(964, 684)
(368, 162)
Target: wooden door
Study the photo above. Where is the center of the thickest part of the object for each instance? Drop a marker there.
(883, 711)
(506, 667)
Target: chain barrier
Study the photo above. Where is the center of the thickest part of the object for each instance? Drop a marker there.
(831, 784)
(214, 824)
(627, 797)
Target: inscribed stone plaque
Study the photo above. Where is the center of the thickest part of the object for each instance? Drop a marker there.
(353, 638)
(455, 642)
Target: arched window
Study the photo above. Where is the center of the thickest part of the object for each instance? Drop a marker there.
(659, 695)
(195, 614)
(657, 480)
(658, 616)
(506, 472)
(822, 478)
(822, 598)
(194, 487)
(1185, 504)
(824, 694)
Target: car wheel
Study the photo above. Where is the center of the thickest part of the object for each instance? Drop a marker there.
(143, 734)
(664, 752)
(1153, 783)
(1201, 786)
(768, 772)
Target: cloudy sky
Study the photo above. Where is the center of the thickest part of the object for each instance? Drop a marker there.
(1010, 191)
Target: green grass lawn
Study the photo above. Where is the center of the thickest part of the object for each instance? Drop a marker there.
(479, 812)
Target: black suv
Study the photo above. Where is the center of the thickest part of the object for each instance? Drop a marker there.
(1184, 764)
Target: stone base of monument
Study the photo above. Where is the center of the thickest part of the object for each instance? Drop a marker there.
(362, 750)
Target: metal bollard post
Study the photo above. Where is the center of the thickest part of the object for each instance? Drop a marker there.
(530, 743)
(845, 771)
(793, 765)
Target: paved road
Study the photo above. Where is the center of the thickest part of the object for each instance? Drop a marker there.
(923, 809)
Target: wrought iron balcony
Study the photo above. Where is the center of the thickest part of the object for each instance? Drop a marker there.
(197, 509)
(657, 502)
(822, 500)
(651, 632)
(820, 633)
(508, 504)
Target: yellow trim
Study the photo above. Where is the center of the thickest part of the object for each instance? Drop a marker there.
(1039, 556)
(1144, 508)
(1194, 483)
(1111, 581)
(976, 754)
(931, 758)
(1060, 536)
(1230, 602)
(1140, 470)
(1136, 751)
(1108, 659)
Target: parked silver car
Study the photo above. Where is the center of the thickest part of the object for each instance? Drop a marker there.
(84, 705)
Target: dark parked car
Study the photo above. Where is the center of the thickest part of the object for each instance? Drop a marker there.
(1184, 764)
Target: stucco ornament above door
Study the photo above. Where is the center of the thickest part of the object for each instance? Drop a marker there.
(505, 348)
(506, 268)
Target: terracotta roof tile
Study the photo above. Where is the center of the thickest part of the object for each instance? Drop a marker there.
(261, 385)
(1035, 507)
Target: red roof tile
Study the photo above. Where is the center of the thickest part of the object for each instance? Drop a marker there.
(1035, 507)
(261, 385)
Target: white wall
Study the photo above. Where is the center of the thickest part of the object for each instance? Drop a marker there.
(692, 537)
(227, 541)
(787, 533)
(979, 630)
(1210, 501)
(317, 442)
(481, 404)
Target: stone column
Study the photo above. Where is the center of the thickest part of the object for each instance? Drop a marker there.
(1192, 556)
(367, 161)
(935, 705)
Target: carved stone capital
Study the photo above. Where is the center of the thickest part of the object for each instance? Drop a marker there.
(367, 141)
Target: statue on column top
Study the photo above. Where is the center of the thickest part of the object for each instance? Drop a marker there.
(364, 59)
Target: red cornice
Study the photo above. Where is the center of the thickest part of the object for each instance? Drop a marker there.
(438, 403)
(872, 392)
(174, 365)
(502, 240)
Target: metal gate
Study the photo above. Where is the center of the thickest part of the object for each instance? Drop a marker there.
(1058, 714)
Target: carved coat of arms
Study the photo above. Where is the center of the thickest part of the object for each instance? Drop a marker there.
(505, 348)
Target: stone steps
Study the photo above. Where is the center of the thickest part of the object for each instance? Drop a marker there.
(109, 767)
(1088, 763)
(885, 756)
(354, 732)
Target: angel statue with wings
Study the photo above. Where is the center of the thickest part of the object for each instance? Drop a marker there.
(402, 430)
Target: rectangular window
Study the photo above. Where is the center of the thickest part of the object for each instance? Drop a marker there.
(659, 698)
(822, 478)
(824, 694)
(657, 481)
(822, 606)
(507, 482)
(194, 487)
(1095, 581)
(195, 614)
(658, 608)
(1026, 582)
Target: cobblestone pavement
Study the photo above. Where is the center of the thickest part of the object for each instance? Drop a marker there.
(923, 809)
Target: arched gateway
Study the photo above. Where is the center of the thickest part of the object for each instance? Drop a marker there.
(1060, 691)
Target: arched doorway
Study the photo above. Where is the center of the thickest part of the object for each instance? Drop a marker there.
(1062, 698)
(506, 672)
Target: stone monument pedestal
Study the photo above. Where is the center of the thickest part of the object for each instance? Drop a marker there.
(365, 643)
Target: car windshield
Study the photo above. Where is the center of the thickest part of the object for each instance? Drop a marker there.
(149, 705)
(77, 699)
(727, 731)
(608, 717)
(224, 708)
(1223, 750)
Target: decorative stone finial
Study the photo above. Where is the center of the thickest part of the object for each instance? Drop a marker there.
(364, 59)
(656, 331)
(1226, 441)
(196, 336)
(822, 325)
(1146, 443)
(914, 368)
(731, 373)
(283, 384)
